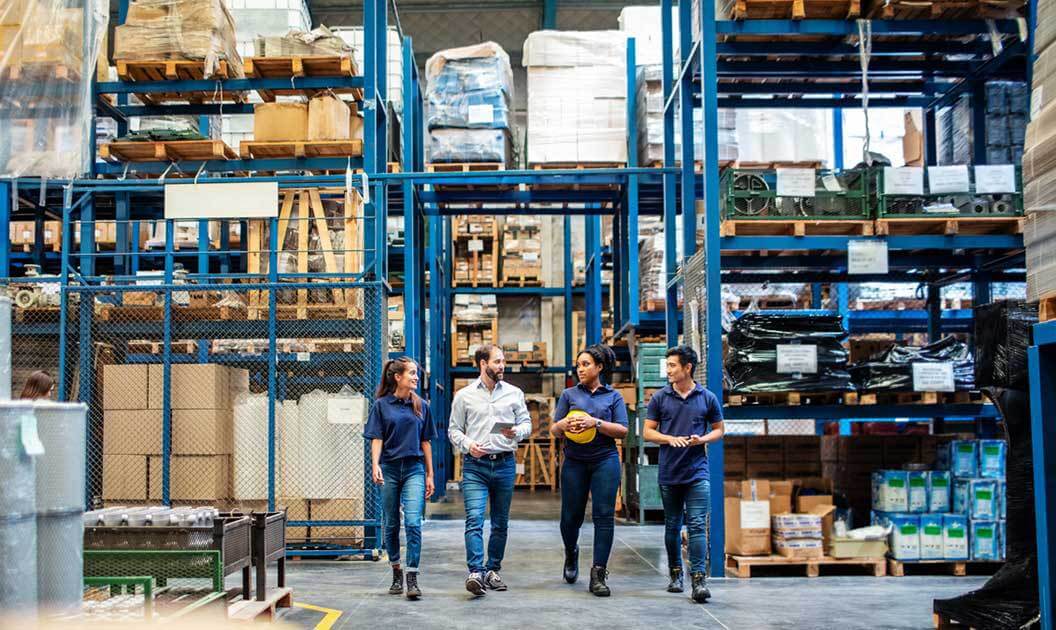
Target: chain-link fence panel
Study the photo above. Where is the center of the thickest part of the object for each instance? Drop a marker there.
(240, 396)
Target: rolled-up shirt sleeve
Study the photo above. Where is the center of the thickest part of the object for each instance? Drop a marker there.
(456, 430)
(523, 420)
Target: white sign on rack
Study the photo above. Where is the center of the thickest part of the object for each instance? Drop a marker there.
(906, 180)
(995, 179)
(795, 182)
(830, 183)
(245, 200)
(481, 114)
(933, 377)
(866, 256)
(476, 245)
(948, 179)
(797, 359)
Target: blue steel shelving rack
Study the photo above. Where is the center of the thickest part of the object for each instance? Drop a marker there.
(1042, 368)
(896, 78)
(127, 201)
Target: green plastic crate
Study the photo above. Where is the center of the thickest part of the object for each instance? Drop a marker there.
(967, 204)
(751, 195)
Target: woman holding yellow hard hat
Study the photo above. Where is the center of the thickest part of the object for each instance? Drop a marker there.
(590, 416)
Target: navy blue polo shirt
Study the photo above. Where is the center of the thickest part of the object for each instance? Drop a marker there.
(604, 403)
(402, 431)
(683, 417)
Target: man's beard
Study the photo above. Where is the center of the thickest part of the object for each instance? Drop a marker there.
(493, 375)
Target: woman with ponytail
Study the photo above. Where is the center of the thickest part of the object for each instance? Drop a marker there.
(590, 416)
(400, 430)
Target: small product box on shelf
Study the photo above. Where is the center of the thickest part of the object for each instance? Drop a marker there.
(982, 499)
(984, 539)
(890, 491)
(931, 537)
(918, 490)
(954, 537)
(905, 536)
(992, 458)
(939, 491)
(964, 458)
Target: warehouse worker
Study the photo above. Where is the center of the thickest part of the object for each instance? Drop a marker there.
(488, 418)
(683, 418)
(400, 430)
(590, 416)
(38, 386)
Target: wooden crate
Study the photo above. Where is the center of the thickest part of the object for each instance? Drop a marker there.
(473, 246)
(167, 151)
(1047, 308)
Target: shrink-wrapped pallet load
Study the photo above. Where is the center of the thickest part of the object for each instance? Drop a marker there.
(189, 30)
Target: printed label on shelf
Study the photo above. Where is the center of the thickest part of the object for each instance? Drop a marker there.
(476, 245)
(797, 359)
(481, 114)
(995, 178)
(830, 183)
(531, 256)
(906, 180)
(525, 346)
(933, 377)
(520, 468)
(663, 367)
(795, 182)
(866, 256)
(948, 179)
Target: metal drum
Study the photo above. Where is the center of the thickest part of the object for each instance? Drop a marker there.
(18, 507)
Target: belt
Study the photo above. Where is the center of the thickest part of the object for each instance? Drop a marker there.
(491, 456)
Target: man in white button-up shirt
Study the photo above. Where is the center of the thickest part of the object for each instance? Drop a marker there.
(489, 466)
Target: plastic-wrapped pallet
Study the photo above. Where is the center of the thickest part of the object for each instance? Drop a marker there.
(189, 30)
(643, 23)
(469, 88)
(577, 93)
(892, 369)
(42, 45)
(1002, 335)
(319, 41)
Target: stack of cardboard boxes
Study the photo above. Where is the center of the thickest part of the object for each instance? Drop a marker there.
(772, 457)
(791, 517)
(190, 30)
(323, 118)
(1039, 161)
(474, 321)
(475, 250)
(524, 352)
(201, 438)
(522, 249)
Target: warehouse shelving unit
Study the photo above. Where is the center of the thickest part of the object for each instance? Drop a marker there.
(1042, 367)
(910, 66)
(127, 194)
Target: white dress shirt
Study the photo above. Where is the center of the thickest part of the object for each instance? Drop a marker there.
(475, 410)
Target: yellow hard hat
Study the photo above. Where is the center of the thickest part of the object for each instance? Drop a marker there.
(584, 437)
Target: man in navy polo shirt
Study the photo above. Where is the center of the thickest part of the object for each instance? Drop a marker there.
(683, 418)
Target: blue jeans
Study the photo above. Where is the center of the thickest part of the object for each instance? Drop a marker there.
(602, 480)
(404, 485)
(487, 481)
(693, 500)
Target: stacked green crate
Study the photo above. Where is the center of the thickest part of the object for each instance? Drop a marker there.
(752, 194)
(643, 488)
(950, 205)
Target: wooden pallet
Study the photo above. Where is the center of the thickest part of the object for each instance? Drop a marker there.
(251, 610)
(959, 568)
(167, 150)
(796, 9)
(146, 346)
(912, 398)
(698, 165)
(1047, 307)
(777, 164)
(173, 70)
(467, 167)
(949, 226)
(301, 66)
(795, 227)
(741, 566)
(790, 399)
(942, 9)
(42, 71)
(586, 166)
(36, 314)
(521, 280)
(301, 149)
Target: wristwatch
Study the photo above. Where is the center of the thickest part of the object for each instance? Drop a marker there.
(597, 423)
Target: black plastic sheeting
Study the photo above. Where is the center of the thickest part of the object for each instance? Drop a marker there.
(1009, 599)
(892, 369)
(751, 359)
(1002, 334)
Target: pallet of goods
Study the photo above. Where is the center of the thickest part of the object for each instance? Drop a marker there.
(317, 53)
(789, 9)
(522, 249)
(474, 321)
(944, 9)
(526, 353)
(476, 250)
(1039, 176)
(41, 41)
(325, 126)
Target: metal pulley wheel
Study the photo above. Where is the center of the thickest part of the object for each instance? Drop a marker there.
(25, 298)
(750, 206)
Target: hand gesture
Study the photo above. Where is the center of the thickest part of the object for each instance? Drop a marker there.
(677, 441)
(476, 451)
(379, 478)
(430, 486)
(510, 433)
(696, 440)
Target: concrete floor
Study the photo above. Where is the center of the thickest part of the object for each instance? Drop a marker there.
(539, 598)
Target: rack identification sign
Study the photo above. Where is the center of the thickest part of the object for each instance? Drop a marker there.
(238, 200)
(933, 377)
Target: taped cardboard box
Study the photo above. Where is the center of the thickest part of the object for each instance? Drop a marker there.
(780, 497)
(192, 30)
(125, 387)
(53, 36)
(328, 118)
(202, 432)
(280, 122)
(132, 432)
(337, 510)
(747, 517)
(124, 478)
(192, 478)
(193, 386)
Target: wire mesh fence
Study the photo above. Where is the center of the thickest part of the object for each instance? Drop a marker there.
(245, 397)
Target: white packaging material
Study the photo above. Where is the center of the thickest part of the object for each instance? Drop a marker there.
(643, 23)
(918, 490)
(982, 499)
(960, 495)
(577, 96)
(931, 538)
(954, 537)
(353, 36)
(785, 135)
(905, 536)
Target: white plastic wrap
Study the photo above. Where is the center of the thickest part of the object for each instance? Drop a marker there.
(784, 135)
(577, 93)
(353, 36)
(469, 87)
(49, 50)
(251, 447)
(5, 347)
(643, 23)
(190, 30)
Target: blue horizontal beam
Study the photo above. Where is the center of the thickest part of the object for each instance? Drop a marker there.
(937, 241)
(227, 85)
(821, 103)
(896, 260)
(805, 86)
(1045, 334)
(518, 196)
(193, 109)
(860, 412)
(877, 68)
(879, 27)
(921, 275)
(245, 329)
(454, 210)
(531, 291)
(879, 49)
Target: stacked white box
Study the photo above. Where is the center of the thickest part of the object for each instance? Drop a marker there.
(577, 96)
(353, 36)
(643, 23)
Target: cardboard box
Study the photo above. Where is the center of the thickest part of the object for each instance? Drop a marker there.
(125, 387)
(193, 478)
(913, 139)
(765, 470)
(765, 449)
(355, 123)
(202, 432)
(53, 36)
(193, 386)
(124, 477)
(279, 122)
(747, 513)
(328, 118)
(336, 510)
(851, 548)
(132, 432)
(802, 448)
(780, 497)
(812, 492)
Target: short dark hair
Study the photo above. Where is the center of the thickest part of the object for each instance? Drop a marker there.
(483, 353)
(686, 356)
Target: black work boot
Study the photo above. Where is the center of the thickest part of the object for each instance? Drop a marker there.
(701, 593)
(571, 571)
(597, 581)
(676, 584)
(397, 581)
(413, 592)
